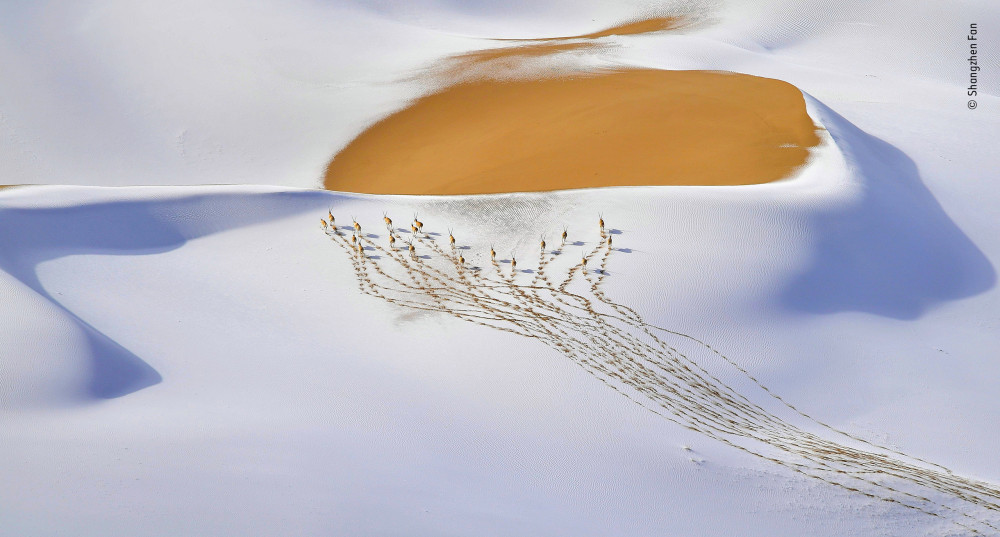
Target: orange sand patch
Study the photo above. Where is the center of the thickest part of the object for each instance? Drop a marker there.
(504, 61)
(520, 52)
(511, 61)
(657, 24)
(617, 128)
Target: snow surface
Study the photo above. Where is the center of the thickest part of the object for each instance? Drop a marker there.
(198, 359)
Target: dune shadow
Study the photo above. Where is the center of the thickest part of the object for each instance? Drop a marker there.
(30, 237)
(893, 251)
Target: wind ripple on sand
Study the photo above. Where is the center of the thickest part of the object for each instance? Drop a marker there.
(615, 128)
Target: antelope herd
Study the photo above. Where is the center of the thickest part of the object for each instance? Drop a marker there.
(417, 231)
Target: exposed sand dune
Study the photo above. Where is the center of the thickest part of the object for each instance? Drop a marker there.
(644, 26)
(534, 50)
(515, 61)
(617, 128)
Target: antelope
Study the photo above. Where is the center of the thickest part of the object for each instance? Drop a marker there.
(564, 234)
(354, 239)
(413, 250)
(584, 262)
(493, 253)
(361, 249)
(609, 240)
(357, 226)
(543, 242)
(513, 262)
(323, 222)
(413, 228)
(388, 221)
(451, 238)
(418, 223)
(392, 242)
(601, 216)
(461, 260)
(330, 213)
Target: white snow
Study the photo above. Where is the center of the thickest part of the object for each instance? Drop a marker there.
(198, 359)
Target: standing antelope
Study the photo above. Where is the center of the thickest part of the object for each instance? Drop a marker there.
(361, 249)
(513, 262)
(392, 241)
(543, 242)
(461, 259)
(413, 228)
(609, 241)
(357, 226)
(388, 222)
(601, 216)
(354, 239)
(565, 234)
(493, 253)
(413, 250)
(323, 222)
(451, 238)
(418, 223)
(584, 262)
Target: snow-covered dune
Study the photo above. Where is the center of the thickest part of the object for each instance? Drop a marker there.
(205, 359)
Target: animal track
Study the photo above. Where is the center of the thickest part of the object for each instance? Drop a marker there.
(570, 313)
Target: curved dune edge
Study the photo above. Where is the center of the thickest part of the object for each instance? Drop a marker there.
(632, 127)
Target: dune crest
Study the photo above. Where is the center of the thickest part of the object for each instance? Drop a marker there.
(629, 127)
